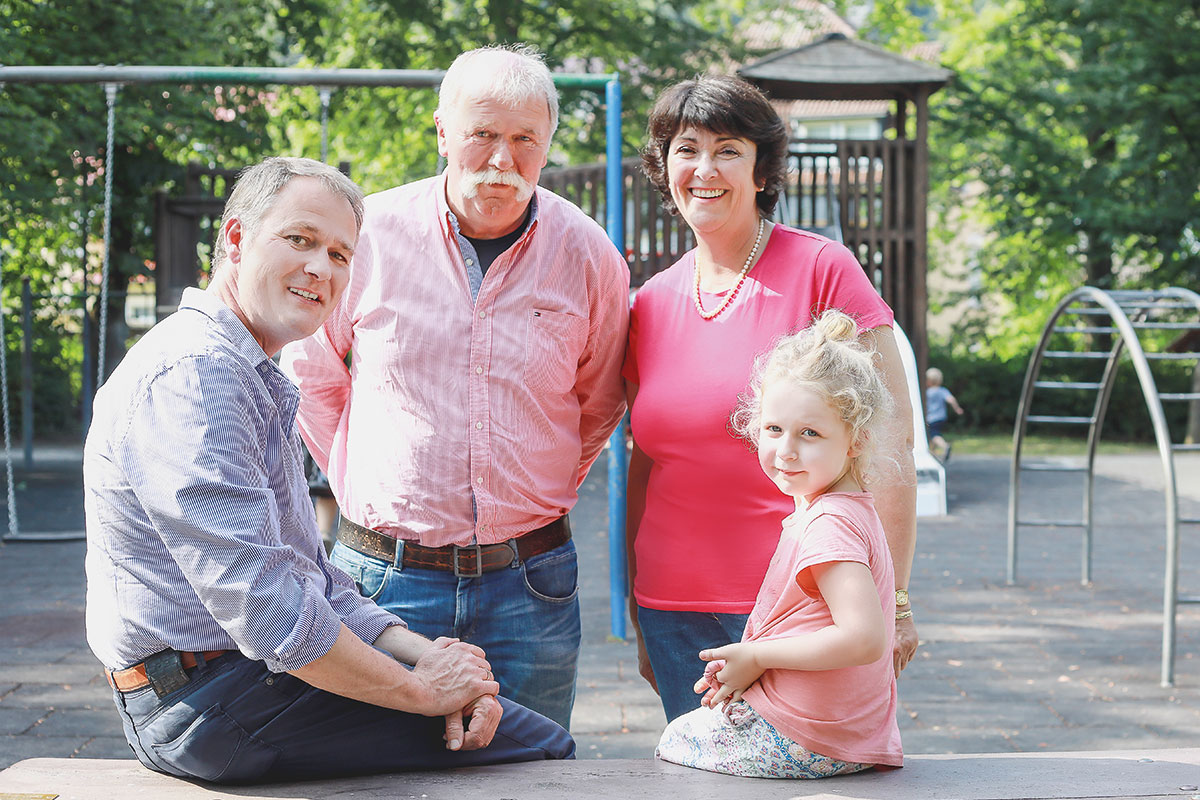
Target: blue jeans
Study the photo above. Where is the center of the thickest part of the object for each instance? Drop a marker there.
(525, 617)
(235, 721)
(674, 640)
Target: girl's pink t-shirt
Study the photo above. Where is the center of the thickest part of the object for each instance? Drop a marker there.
(848, 713)
(712, 517)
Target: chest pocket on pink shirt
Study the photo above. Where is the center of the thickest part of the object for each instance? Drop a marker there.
(552, 350)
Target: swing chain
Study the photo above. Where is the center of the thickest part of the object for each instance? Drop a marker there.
(110, 96)
(325, 92)
(12, 498)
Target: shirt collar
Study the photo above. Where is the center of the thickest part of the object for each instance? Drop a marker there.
(284, 392)
(210, 306)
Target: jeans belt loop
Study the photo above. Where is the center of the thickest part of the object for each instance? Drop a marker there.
(398, 558)
(458, 551)
(516, 559)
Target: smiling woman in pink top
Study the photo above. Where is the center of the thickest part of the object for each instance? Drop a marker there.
(702, 519)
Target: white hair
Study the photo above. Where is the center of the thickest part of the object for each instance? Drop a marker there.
(512, 74)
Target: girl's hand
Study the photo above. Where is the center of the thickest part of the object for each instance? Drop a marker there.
(739, 672)
(708, 685)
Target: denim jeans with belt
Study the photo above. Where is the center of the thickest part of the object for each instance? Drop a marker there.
(524, 616)
(235, 721)
(674, 640)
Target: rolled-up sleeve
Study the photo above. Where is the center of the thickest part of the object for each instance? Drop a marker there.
(195, 452)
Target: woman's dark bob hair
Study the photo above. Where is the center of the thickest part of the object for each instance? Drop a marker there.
(725, 105)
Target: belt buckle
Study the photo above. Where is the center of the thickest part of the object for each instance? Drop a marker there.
(478, 573)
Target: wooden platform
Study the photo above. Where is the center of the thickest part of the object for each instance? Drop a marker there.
(1119, 775)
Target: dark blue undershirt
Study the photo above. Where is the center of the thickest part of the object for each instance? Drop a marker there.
(488, 250)
(478, 254)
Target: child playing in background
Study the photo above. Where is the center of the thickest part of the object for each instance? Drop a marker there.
(810, 691)
(936, 399)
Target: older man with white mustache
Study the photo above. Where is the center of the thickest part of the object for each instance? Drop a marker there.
(485, 321)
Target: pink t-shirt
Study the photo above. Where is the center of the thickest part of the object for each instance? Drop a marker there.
(706, 490)
(848, 713)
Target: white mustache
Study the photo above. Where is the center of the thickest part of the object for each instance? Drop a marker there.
(471, 181)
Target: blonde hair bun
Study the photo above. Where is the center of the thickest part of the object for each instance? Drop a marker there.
(835, 326)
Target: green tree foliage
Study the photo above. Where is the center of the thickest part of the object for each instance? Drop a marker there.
(1081, 120)
(53, 162)
(388, 135)
(52, 143)
(53, 152)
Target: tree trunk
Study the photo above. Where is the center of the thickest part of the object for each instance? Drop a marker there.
(505, 18)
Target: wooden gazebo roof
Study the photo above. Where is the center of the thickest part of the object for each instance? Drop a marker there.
(882, 192)
(838, 68)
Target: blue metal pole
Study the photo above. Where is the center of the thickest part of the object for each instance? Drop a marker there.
(617, 469)
(617, 462)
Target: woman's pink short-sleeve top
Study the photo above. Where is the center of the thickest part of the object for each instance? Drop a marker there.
(712, 518)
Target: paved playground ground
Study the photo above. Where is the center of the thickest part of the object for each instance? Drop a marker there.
(1045, 665)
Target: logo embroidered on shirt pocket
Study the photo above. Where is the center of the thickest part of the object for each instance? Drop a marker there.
(552, 348)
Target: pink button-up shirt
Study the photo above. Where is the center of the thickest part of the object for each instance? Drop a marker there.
(460, 420)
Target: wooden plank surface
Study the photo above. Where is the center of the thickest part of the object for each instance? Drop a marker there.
(1117, 775)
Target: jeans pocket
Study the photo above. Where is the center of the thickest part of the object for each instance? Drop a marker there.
(215, 748)
(369, 574)
(372, 579)
(553, 579)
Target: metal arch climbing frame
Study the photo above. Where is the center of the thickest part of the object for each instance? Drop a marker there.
(1129, 312)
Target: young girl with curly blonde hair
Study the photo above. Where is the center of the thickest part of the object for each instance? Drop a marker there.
(810, 690)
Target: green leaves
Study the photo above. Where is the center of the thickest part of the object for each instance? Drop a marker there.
(53, 136)
(1081, 118)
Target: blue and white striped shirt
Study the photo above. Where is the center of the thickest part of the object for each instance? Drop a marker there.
(201, 535)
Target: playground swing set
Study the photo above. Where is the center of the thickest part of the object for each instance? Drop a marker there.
(325, 80)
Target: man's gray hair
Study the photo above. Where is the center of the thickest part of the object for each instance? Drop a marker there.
(257, 187)
(513, 74)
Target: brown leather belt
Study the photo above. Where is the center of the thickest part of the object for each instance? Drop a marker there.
(468, 561)
(134, 678)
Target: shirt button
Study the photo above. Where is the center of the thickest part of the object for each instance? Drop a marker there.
(482, 314)
(478, 426)
(479, 480)
(479, 370)
(469, 262)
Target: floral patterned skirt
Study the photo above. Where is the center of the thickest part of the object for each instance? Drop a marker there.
(737, 741)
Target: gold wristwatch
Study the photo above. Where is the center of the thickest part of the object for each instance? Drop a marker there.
(901, 597)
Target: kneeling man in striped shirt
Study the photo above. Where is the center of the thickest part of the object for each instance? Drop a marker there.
(235, 650)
